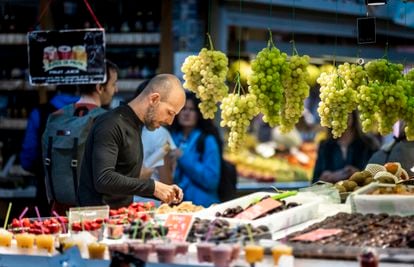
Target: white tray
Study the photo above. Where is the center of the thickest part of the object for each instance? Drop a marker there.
(276, 221)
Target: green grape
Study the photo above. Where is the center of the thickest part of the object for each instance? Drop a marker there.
(205, 75)
(337, 102)
(266, 84)
(369, 98)
(353, 75)
(296, 89)
(237, 111)
(383, 71)
(410, 75)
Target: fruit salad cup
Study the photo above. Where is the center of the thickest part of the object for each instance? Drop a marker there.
(24, 240)
(96, 250)
(5, 238)
(253, 253)
(45, 241)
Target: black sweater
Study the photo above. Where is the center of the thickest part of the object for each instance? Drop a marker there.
(112, 161)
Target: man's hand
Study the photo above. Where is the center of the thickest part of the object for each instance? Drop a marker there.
(168, 193)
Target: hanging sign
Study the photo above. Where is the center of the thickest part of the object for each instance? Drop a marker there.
(366, 30)
(67, 56)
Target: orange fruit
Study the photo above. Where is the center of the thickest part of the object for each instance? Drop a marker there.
(391, 167)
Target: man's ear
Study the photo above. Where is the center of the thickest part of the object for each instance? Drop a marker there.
(99, 88)
(154, 98)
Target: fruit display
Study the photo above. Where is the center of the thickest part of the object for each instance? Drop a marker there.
(136, 210)
(233, 212)
(145, 230)
(87, 225)
(398, 189)
(34, 226)
(220, 230)
(183, 207)
(205, 75)
(262, 169)
(359, 230)
(390, 172)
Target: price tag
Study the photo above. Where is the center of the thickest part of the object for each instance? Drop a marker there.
(259, 209)
(317, 234)
(179, 226)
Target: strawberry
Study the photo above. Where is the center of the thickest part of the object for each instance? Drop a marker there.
(98, 220)
(76, 226)
(26, 222)
(54, 228)
(95, 226)
(122, 210)
(113, 213)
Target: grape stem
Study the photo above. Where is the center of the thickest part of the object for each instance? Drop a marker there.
(238, 85)
(294, 50)
(210, 41)
(270, 41)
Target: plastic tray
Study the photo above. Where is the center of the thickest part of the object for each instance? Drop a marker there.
(276, 221)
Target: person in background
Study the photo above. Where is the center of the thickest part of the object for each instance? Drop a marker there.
(198, 174)
(91, 96)
(397, 150)
(112, 162)
(31, 153)
(339, 158)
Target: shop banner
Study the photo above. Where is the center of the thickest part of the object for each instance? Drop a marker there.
(66, 57)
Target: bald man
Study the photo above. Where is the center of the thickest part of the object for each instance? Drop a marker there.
(113, 152)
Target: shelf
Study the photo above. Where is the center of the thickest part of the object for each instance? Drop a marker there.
(111, 38)
(13, 124)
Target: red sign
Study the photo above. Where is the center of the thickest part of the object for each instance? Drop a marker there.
(259, 209)
(317, 234)
(178, 226)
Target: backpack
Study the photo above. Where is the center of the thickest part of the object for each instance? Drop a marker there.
(63, 143)
(227, 188)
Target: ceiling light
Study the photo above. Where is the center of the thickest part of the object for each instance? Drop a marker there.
(375, 2)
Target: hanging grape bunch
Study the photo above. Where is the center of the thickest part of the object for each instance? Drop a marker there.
(265, 82)
(296, 89)
(205, 75)
(337, 102)
(237, 111)
(408, 114)
(383, 100)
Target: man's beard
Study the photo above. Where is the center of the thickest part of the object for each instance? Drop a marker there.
(149, 121)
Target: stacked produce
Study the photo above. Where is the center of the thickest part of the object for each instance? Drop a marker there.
(205, 75)
(390, 172)
(359, 230)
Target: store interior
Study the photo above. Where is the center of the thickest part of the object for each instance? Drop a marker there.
(332, 208)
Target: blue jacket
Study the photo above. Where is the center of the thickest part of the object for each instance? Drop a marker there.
(31, 153)
(198, 175)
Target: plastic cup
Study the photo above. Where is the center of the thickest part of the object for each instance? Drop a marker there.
(221, 255)
(253, 253)
(140, 250)
(236, 252)
(45, 242)
(24, 240)
(368, 258)
(154, 243)
(5, 238)
(182, 248)
(165, 252)
(279, 250)
(115, 231)
(123, 248)
(67, 244)
(204, 252)
(96, 250)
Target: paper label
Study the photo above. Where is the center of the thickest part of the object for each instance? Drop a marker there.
(179, 226)
(259, 209)
(317, 235)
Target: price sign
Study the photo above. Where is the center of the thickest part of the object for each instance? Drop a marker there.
(259, 209)
(317, 234)
(67, 56)
(179, 226)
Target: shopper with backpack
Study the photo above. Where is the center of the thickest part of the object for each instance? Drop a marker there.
(31, 153)
(111, 166)
(65, 136)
